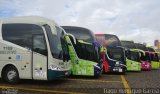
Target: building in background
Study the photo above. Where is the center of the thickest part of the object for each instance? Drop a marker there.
(144, 43)
(157, 44)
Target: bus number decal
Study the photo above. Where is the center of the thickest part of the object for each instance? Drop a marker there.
(8, 50)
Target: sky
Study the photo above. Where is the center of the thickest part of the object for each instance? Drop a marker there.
(136, 20)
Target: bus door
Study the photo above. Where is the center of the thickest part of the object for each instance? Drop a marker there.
(39, 57)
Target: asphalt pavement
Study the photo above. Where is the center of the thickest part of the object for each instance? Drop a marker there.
(132, 82)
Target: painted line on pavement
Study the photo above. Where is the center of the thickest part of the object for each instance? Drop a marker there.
(40, 90)
(125, 84)
(103, 81)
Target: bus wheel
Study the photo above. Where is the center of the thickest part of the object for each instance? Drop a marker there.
(11, 75)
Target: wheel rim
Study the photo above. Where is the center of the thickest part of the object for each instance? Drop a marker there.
(11, 75)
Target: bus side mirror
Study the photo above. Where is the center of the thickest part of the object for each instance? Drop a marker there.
(71, 36)
(140, 54)
(60, 56)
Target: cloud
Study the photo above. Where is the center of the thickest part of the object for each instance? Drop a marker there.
(136, 20)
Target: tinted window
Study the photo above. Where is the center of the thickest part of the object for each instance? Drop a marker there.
(101, 40)
(133, 55)
(112, 40)
(154, 57)
(145, 57)
(65, 49)
(150, 49)
(115, 53)
(141, 46)
(142, 56)
(55, 41)
(82, 34)
(128, 44)
(86, 51)
(39, 44)
(20, 34)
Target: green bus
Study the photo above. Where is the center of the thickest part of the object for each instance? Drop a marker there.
(144, 57)
(133, 57)
(84, 55)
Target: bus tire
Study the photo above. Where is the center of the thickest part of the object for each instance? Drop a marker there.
(11, 75)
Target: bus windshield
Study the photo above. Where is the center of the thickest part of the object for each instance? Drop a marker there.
(86, 51)
(108, 40)
(145, 57)
(150, 49)
(141, 46)
(154, 57)
(101, 40)
(133, 56)
(116, 53)
(112, 40)
(55, 41)
(128, 44)
(80, 33)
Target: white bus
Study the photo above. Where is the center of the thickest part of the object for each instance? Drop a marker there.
(31, 48)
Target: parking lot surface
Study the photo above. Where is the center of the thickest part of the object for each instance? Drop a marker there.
(105, 84)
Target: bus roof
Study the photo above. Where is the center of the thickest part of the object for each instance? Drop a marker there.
(30, 20)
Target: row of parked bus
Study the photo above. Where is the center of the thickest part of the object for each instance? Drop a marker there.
(37, 48)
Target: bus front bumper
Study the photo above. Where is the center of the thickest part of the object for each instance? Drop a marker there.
(155, 65)
(117, 69)
(133, 68)
(146, 66)
(54, 74)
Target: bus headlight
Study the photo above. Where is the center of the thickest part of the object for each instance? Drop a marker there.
(54, 67)
(97, 67)
(117, 63)
(123, 65)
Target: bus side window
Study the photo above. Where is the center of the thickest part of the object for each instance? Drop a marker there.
(20, 34)
(39, 44)
(65, 49)
(128, 54)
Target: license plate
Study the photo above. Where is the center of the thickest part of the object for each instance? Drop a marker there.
(66, 73)
(120, 70)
